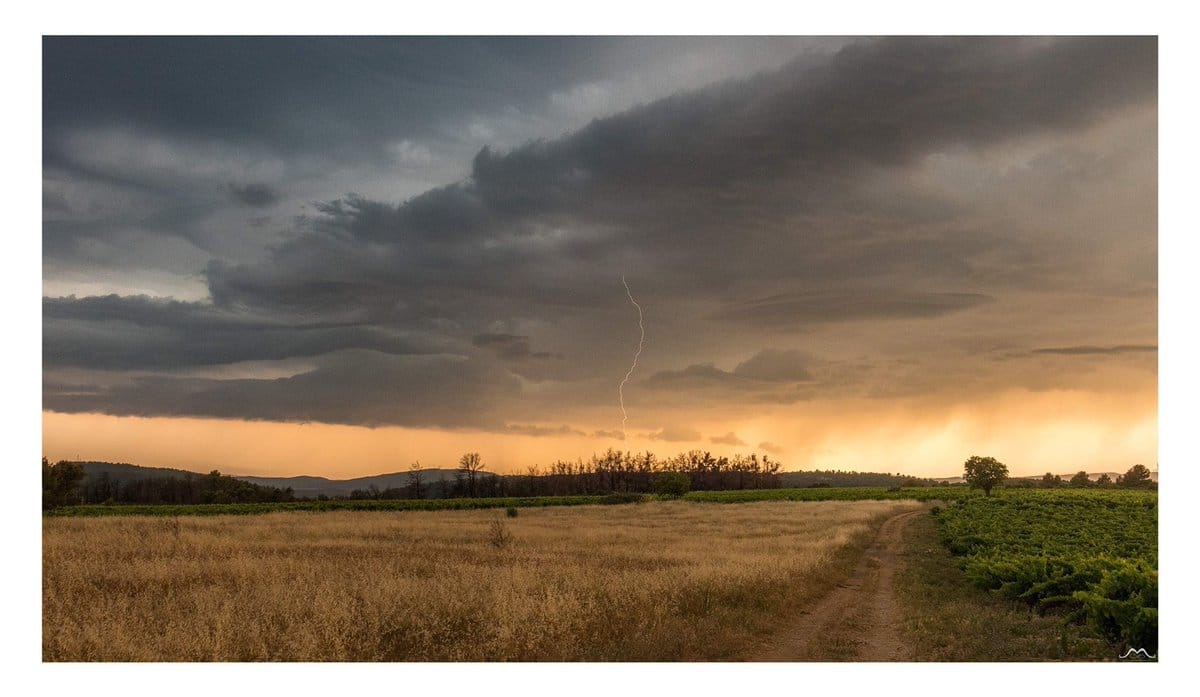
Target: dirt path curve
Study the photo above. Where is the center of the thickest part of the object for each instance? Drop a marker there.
(858, 620)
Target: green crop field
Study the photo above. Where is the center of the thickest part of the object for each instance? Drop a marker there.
(858, 493)
(1091, 553)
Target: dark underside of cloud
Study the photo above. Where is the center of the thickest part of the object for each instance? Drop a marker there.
(1096, 350)
(803, 309)
(727, 439)
(257, 195)
(354, 387)
(767, 376)
(676, 434)
(746, 202)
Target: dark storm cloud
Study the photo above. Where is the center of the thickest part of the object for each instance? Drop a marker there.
(510, 347)
(676, 434)
(670, 181)
(721, 386)
(727, 439)
(353, 387)
(531, 430)
(301, 93)
(697, 376)
(1096, 350)
(258, 195)
(55, 202)
(133, 333)
(764, 372)
(778, 202)
(798, 309)
(514, 350)
(290, 93)
(773, 365)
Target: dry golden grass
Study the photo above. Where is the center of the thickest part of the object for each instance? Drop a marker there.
(657, 581)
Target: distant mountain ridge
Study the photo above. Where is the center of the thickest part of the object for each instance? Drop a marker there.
(307, 486)
(123, 471)
(303, 486)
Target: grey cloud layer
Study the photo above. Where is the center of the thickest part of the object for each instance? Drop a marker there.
(1096, 350)
(758, 208)
(132, 333)
(769, 375)
(707, 181)
(354, 387)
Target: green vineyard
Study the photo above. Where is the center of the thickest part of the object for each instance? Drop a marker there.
(1092, 554)
(858, 493)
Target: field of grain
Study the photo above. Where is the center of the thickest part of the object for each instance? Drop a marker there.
(655, 581)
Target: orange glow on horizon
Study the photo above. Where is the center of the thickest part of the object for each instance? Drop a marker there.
(1033, 432)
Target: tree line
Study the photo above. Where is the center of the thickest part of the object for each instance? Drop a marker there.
(614, 471)
(66, 483)
(988, 472)
(1136, 477)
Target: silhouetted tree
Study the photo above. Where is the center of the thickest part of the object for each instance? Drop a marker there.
(1104, 480)
(533, 476)
(1081, 479)
(61, 484)
(984, 473)
(102, 490)
(470, 464)
(1051, 480)
(414, 480)
(1137, 476)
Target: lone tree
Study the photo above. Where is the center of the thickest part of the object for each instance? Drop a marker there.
(984, 473)
(1081, 480)
(470, 464)
(1137, 476)
(414, 480)
(1104, 480)
(1051, 480)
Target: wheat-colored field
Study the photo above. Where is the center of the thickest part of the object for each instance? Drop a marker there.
(656, 581)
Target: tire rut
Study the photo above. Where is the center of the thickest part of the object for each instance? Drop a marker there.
(858, 620)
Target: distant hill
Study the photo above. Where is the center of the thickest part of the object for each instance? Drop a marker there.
(123, 471)
(121, 482)
(302, 486)
(311, 487)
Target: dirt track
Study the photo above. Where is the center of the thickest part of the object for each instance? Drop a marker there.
(858, 620)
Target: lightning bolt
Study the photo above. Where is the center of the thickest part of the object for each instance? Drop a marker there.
(641, 343)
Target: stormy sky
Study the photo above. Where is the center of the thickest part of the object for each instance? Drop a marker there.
(866, 253)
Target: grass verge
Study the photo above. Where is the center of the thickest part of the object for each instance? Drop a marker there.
(948, 619)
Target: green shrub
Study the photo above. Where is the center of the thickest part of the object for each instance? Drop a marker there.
(619, 497)
(672, 484)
